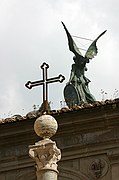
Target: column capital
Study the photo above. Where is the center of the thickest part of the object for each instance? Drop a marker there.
(46, 155)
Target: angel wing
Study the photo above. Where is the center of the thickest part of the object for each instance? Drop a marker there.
(92, 50)
(72, 45)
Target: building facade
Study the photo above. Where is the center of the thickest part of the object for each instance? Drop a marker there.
(88, 137)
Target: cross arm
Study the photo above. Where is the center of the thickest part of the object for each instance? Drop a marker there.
(59, 78)
(30, 84)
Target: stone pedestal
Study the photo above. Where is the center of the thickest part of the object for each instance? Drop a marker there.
(45, 152)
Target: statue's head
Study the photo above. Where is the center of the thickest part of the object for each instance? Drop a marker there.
(75, 59)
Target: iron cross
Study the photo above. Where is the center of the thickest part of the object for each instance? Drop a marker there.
(44, 82)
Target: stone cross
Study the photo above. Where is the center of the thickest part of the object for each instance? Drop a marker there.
(44, 82)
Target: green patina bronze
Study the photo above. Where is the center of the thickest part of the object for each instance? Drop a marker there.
(76, 91)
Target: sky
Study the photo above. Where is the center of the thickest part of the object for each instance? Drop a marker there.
(31, 33)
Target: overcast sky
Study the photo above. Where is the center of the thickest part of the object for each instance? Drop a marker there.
(31, 33)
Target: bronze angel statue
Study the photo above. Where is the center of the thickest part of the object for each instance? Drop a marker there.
(76, 91)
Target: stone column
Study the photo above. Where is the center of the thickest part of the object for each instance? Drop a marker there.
(45, 152)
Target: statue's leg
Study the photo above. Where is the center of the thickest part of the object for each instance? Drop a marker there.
(82, 94)
(90, 98)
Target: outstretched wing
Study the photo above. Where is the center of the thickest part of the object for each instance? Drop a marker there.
(72, 46)
(92, 50)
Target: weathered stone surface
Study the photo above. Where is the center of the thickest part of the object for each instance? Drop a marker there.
(47, 174)
(83, 136)
(45, 152)
(46, 155)
(45, 126)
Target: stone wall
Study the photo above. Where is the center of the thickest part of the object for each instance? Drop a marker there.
(88, 139)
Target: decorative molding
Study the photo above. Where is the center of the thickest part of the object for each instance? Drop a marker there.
(98, 168)
(46, 155)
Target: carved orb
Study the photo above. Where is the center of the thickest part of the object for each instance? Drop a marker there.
(45, 126)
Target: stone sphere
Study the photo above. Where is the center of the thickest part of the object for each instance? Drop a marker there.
(45, 126)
